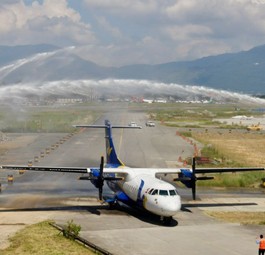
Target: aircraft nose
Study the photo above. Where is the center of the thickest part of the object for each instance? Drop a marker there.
(171, 206)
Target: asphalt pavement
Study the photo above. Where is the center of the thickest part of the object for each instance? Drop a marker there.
(125, 231)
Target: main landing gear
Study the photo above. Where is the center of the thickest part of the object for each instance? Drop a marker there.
(113, 205)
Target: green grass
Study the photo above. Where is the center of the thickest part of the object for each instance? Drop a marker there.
(186, 133)
(201, 114)
(234, 180)
(48, 120)
(246, 218)
(43, 239)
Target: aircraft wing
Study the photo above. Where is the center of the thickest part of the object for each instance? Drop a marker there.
(188, 175)
(48, 169)
(126, 170)
(200, 170)
(210, 170)
(227, 170)
(82, 170)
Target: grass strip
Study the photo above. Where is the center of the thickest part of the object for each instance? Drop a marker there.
(43, 239)
(246, 218)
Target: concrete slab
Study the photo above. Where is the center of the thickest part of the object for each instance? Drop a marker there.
(124, 232)
(120, 232)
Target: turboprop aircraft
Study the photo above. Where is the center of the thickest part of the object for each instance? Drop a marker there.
(137, 187)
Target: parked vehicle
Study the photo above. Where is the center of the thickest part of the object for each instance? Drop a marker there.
(254, 128)
(132, 124)
(150, 124)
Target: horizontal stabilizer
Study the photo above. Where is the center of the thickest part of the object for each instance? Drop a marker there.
(104, 126)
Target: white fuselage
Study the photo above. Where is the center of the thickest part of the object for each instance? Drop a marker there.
(156, 196)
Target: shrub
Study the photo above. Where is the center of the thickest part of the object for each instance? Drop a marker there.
(72, 230)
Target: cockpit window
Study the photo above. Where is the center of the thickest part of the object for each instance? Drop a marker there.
(155, 192)
(163, 192)
(173, 192)
(150, 191)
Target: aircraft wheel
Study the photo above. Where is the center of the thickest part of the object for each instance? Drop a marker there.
(113, 205)
(167, 221)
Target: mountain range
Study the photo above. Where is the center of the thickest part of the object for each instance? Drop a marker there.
(240, 72)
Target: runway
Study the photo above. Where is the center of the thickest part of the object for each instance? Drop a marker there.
(62, 197)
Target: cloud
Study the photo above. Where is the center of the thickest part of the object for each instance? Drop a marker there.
(184, 29)
(113, 32)
(126, 7)
(51, 22)
(120, 32)
(229, 21)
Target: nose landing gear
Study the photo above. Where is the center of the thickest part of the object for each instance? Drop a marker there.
(166, 220)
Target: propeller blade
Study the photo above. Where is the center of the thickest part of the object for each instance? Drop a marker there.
(87, 178)
(194, 179)
(113, 178)
(101, 179)
(101, 167)
(182, 179)
(193, 165)
(193, 189)
(203, 178)
(100, 191)
(189, 178)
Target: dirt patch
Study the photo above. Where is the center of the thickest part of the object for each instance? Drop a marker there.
(11, 222)
(243, 147)
(251, 218)
(14, 142)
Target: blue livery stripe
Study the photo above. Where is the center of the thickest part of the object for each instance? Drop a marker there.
(139, 199)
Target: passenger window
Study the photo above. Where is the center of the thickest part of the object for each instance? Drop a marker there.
(155, 192)
(163, 192)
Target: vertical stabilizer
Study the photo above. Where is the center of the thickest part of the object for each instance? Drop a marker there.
(110, 149)
(111, 155)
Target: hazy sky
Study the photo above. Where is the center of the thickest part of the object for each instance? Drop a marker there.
(121, 32)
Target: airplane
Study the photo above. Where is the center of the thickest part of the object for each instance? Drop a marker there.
(141, 188)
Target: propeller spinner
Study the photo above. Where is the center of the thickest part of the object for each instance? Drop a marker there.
(192, 178)
(98, 180)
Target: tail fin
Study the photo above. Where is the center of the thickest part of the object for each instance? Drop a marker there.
(111, 155)
(110, 149)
